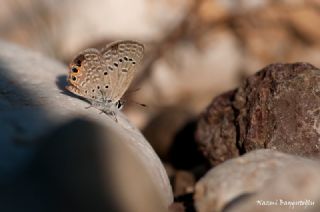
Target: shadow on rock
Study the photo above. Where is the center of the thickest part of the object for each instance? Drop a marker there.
(66, 174)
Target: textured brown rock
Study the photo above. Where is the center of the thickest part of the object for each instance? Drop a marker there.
(216, 132)
(277, 108)
(259, 175)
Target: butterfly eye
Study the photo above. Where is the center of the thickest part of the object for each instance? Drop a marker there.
(74, 70)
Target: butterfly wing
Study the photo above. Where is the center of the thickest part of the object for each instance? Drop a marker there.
(84, 75)
(121, 60)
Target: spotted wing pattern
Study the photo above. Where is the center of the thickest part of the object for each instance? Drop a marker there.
(121, 61)
(104, 76)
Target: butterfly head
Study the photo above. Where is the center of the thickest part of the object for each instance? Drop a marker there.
(108, 106)
(119, 104)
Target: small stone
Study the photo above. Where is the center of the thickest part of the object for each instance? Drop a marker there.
(183, 183)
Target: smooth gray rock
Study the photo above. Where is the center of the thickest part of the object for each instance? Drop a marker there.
(33, 103)
(268, 175)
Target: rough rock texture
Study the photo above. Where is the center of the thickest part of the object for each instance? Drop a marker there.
(258, 175)
(216, 133)
(277, 108)
(33, 103)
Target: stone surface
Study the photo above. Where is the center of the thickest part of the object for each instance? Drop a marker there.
(259, 175)
(216, 133)
(177, 207)
(183, 183)
(33, 102)
(296, 188)
(276, 108)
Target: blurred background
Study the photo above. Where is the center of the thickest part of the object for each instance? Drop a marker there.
(195, 50)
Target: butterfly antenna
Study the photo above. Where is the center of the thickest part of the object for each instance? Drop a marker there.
(131, 91)
(137, 103)
(134, 90)
(142, 105)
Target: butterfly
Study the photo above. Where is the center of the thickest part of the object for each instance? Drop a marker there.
(103, 76)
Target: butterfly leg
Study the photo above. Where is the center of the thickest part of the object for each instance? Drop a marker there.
(111, 114)
(114, 116)
(90, 106)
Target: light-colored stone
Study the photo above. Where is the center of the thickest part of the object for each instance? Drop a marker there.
(295, 188)
(33, 101)
(263, 174)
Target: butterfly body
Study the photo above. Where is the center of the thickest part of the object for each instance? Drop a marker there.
(102, 77)
(107, 106)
